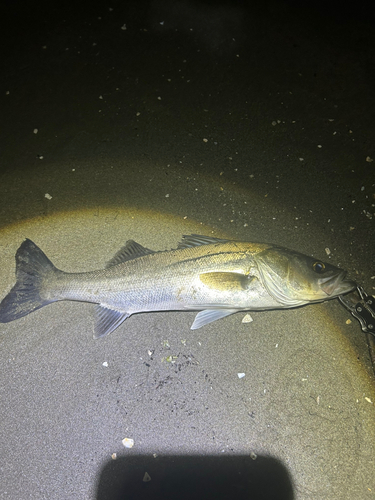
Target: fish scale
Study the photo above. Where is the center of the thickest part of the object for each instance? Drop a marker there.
(214, 276)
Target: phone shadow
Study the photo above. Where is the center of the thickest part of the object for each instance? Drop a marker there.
(195, 477)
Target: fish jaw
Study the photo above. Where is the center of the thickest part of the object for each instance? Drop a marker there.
(337, 285)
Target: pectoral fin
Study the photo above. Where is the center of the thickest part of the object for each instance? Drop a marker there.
(107, 320)
(226, 281)
(210, 315)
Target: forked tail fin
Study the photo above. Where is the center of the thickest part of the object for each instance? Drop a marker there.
(32, 268)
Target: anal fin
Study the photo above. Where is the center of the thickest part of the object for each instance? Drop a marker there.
(107, 320)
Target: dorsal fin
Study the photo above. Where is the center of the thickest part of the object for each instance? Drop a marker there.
(195, 240)
(130, 251)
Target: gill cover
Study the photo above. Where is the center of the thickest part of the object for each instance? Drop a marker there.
(294, 279)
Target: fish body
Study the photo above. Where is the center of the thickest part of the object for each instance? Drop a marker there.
(214, 276)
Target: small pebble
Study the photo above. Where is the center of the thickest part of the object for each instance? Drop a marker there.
(128, 443)
(247, 318)
(146, 478)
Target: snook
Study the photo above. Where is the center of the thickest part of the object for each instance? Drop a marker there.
(215, 276)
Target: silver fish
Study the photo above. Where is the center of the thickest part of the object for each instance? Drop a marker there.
(214, 276)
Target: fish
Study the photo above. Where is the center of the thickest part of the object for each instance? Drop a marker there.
(217, 277)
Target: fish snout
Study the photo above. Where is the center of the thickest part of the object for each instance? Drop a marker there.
(337, 284)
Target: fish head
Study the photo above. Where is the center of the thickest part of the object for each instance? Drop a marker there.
(295, 279)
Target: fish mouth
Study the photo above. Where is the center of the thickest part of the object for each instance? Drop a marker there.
(337, 284)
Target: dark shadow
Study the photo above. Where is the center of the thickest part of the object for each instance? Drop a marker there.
(194, 477)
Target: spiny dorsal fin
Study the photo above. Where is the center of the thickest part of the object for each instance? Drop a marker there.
(196, 240)
(130, 251)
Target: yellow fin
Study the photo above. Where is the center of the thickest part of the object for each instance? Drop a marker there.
(226, 281)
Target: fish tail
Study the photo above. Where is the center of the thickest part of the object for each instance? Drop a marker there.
(32, 268)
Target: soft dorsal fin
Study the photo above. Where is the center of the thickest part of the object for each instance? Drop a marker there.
(130, 251)
(196, 240)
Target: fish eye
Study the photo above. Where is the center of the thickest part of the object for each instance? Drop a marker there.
(318, 266)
